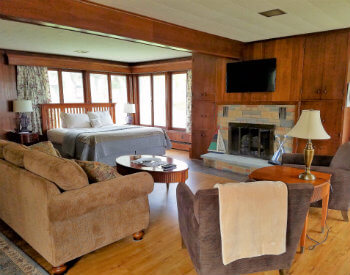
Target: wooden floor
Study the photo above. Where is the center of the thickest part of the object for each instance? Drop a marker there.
(160, 252)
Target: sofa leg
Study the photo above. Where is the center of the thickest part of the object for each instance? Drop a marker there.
(345, 215)
(138, 236)
(183, 243)
(57, 270)
(284, 271)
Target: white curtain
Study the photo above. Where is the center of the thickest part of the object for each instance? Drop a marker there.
(189, 102)
(33, 84)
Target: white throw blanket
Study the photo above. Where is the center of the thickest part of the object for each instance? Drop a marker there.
(253, 219)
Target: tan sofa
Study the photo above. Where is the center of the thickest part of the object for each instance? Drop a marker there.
(49, 202)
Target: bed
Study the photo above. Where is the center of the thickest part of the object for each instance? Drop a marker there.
(102, 144)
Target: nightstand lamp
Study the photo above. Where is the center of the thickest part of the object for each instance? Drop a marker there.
(23, 107)
(129, 109)
(309, 126)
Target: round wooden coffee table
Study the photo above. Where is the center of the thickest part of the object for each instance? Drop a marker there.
(125, 166)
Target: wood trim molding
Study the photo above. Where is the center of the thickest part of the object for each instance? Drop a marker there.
(162, 66)
(66, 62)
(85, 16)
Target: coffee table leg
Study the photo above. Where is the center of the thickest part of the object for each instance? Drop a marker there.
(325, 200)
(303, 234)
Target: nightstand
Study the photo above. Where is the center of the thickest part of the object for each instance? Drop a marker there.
(23, 138)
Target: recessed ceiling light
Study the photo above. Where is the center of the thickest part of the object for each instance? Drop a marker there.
(271, 13)
(81, 51)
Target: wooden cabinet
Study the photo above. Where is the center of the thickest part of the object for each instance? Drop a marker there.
(331, 117)
(325, 63)
(203, 113)
(205, 84)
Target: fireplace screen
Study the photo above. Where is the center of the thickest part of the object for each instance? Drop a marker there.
(255, 140)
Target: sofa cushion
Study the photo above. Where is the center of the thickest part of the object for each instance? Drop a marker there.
(3, 143)
(14, 153)
(97, 171)
(45, 147)
(341, 159)
(65, 173)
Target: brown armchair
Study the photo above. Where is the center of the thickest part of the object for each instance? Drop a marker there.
(200, 230)
(339, 167)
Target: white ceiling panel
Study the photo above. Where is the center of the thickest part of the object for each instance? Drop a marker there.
(240, 19)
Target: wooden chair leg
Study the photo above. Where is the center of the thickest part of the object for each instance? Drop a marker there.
(345, 215)
(138, 236)
(284, 271)
(57, 270)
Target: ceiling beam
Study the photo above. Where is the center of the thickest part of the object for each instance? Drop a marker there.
(85, 16)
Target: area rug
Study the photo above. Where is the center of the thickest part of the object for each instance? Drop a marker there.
(14, 261)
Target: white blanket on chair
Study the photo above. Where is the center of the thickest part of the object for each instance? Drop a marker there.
(253, 219)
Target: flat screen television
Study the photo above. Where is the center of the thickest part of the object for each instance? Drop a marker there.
(251, 76)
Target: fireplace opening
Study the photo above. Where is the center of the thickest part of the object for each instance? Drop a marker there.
(256, 140)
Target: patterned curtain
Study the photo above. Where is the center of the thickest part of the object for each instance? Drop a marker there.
(189, 102)
(33, 84)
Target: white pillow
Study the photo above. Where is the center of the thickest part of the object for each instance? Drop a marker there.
(75, 120)
(96, 123)
(103, 117)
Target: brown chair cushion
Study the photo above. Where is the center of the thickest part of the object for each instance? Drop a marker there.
(97, 171)
(14, 153)
(3, 143)
(341, 159)
(45, 147)
(65, 173)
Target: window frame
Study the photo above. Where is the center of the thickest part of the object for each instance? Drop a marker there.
(168, 99)
(87, 86)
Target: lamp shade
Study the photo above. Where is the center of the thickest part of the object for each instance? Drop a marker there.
(129, 108)
(309, 126)
(22, 106)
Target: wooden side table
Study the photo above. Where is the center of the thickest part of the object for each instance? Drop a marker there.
(290, 175)
(23, 138)
(125, 166)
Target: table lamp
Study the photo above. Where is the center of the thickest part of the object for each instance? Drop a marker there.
(129, 109)
(23, 106)
(309, 126)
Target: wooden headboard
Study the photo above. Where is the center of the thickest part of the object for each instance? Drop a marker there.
(50, 113)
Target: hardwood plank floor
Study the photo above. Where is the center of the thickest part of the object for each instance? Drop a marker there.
(160, 252)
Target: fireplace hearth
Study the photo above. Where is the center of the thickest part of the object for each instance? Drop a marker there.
(255, 140)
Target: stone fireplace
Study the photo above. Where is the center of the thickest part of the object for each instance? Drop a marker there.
(255, 140)
(248, 133)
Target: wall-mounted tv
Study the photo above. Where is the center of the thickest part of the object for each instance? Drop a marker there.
(251, 76)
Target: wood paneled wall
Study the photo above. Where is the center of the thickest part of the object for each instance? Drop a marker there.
(289, 53)
(7, 94)
(312, 73)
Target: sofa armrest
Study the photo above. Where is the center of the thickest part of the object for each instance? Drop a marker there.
(318, 160)
(78, 202)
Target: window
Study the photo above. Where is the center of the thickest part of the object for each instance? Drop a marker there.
(120, 97)
(99, 88)
(159, 100)
(157, 92)
(54, 86)
(178, 88)
(73, 91)
(145, 100)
